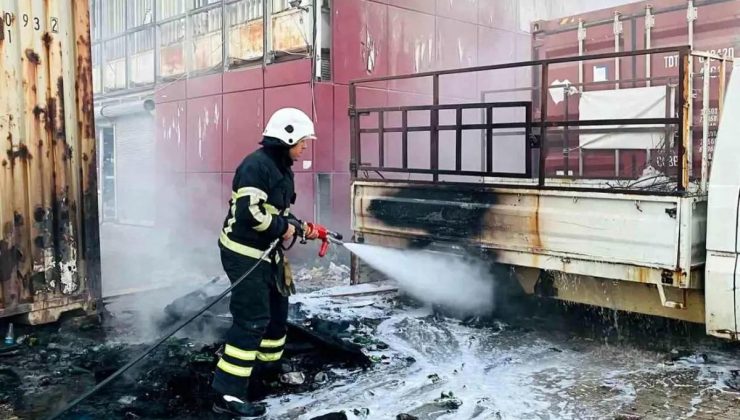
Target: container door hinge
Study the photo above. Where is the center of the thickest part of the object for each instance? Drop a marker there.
(692, 13)
(581, 30)
(618, 26)
(649, 18)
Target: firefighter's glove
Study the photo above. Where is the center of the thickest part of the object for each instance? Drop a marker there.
(286, 287)
(289, 233)
(309, 231)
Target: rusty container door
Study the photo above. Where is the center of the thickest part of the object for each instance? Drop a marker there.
(49, 242)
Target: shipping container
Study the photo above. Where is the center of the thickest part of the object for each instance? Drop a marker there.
(49, 243)
(705, 25)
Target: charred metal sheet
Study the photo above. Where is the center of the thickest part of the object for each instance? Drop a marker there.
(439, 213)
(583, 233)
(49, 257)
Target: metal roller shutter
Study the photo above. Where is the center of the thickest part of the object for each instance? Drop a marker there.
(135, 177)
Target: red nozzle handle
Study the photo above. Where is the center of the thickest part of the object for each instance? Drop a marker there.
(324, 248)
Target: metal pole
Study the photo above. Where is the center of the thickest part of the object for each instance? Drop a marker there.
(581, 42)
(617, 37)
(649, 24)
(617, 29)
(684, 134)
(354, 135)
(434, 149)
(691, 16)
(705, 128)
(566, 142)
(543, 121)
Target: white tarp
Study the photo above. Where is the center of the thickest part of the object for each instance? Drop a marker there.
(644, 102)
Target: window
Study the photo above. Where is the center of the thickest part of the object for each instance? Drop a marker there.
(291, 27)
(172, 48)
(207, 40)
(114, 17)
(114, 70)
(95, 19)
(280, 5)
(171, 8)
(245, 31)
(197, 4)
(97, 60)
(140, 12)
(141, 56)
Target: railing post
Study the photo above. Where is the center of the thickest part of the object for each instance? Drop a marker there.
(405, 139)
(434, 147)
(543, 122)
(566, 134)
(684, 134)
(458, 139)
(354, 135)
(381, 139)
(489, 139)
(528, 139)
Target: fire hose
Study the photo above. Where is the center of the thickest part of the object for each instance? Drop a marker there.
(324, 235)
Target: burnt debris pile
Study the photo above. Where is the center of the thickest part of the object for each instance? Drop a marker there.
(50, 366)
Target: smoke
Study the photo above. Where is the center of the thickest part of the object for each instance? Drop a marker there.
(447, 280)
(160, 226)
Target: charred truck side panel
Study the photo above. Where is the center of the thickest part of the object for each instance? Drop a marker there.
(568, 179)
(49, 242)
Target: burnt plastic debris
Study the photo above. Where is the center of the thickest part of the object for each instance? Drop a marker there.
(293, 378)
(449, 401)
(340, 415)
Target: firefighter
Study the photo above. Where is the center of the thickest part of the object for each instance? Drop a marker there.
(262, 193)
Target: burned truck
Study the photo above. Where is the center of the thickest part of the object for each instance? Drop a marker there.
(49, 242)
(603, 171)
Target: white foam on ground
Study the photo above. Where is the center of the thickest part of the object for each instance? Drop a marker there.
(497, 374)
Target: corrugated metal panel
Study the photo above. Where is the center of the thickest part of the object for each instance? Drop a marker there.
(135, 169)
(49, 242)
(714, 27)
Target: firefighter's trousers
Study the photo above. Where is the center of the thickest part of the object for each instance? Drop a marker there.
(258, 332)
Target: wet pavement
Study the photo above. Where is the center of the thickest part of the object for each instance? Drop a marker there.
(550, 361)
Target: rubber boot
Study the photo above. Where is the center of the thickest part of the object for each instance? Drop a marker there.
(238, 409)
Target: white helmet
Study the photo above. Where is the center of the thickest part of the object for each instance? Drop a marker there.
(290, 125)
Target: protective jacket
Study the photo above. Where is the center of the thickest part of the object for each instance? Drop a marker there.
(262, 193)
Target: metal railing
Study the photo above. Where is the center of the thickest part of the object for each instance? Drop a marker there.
(538, 125)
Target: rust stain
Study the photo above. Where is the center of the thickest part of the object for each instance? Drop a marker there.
(47, 40)
(39, 214)
(37, 111)
(21, 153)
(534, 226)
(61, 129)
(33, 57)
(51, 116)
(7, 261)
(642, 274)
